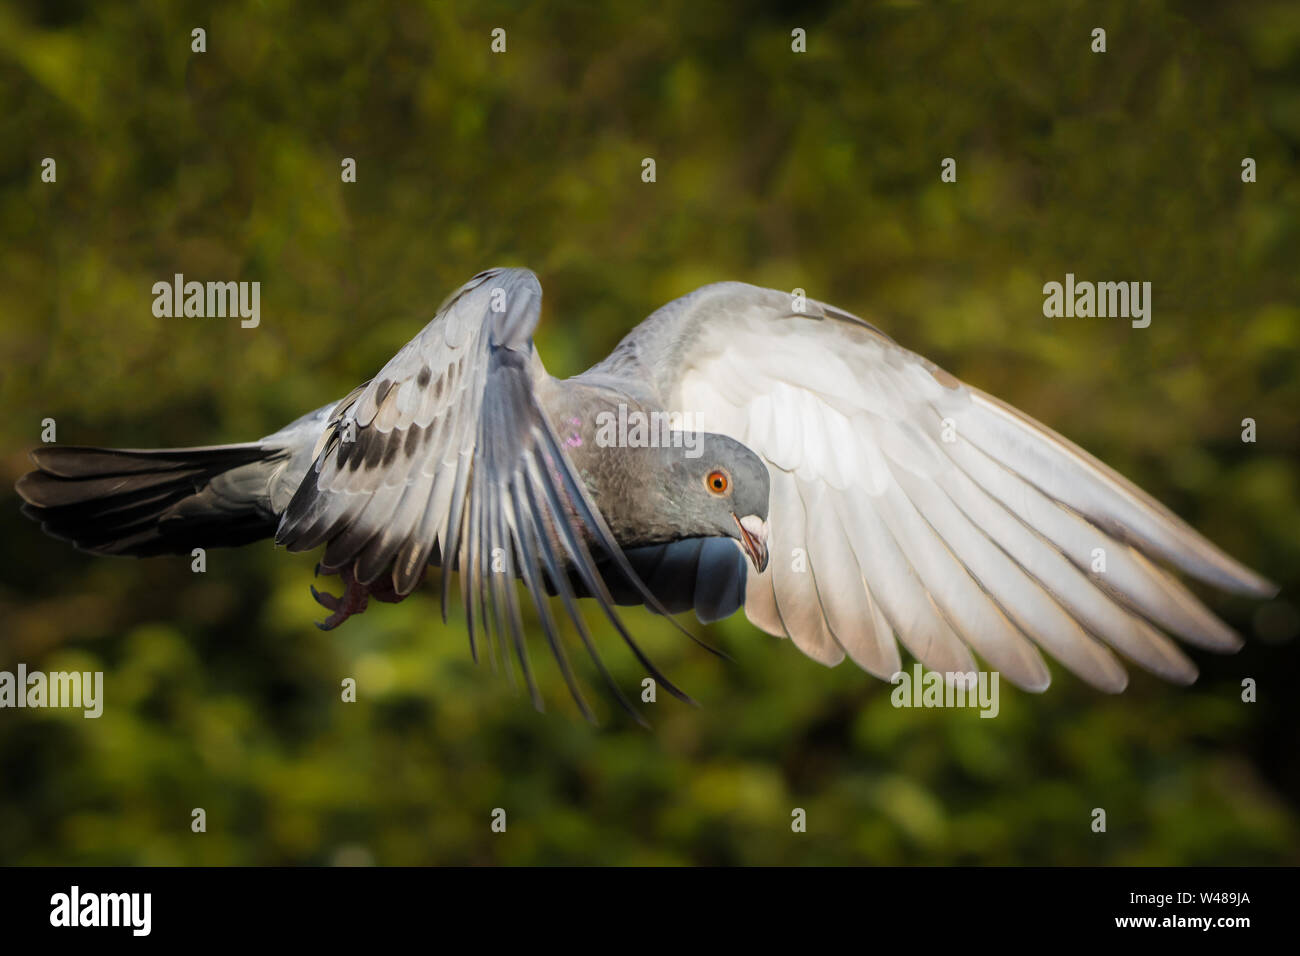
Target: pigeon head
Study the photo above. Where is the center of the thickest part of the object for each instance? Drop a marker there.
(718, 487)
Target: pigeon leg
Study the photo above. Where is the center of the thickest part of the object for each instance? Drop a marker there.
(354, 600)
(355, 596)
(382, 589)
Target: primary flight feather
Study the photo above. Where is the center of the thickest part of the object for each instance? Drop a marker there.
(898, 504)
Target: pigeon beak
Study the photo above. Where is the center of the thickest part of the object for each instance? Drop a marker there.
(753, 538)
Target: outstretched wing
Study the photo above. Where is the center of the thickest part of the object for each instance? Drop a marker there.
(906, 504)
(448, 454)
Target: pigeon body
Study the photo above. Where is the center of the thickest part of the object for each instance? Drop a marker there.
(898, 504)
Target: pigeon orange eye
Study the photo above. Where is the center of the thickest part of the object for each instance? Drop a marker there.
(717, 482)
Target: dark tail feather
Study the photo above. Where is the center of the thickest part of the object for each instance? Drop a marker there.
(156, 501)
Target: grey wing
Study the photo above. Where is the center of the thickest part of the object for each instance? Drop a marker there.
(448, 453)
(385, 468)
(909, 507)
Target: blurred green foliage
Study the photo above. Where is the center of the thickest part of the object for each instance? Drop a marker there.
(818, 170)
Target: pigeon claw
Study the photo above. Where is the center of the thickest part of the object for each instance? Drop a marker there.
(354, 600)
(356, 596)
(328, 601)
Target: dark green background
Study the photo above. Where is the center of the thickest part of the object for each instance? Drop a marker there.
(818, 170)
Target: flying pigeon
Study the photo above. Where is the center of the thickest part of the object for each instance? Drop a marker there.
(847, 493)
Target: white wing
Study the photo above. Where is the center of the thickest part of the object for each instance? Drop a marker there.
(907, 505)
